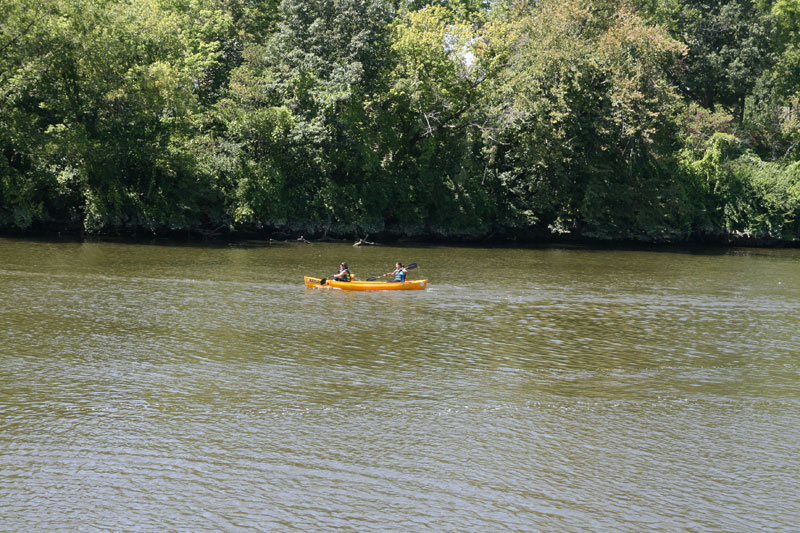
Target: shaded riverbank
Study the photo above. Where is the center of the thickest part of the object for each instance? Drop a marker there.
(314, 233)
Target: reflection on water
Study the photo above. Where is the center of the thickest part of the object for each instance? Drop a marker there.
(205, 388)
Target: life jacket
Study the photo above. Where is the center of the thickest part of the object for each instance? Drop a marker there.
(347, 275)
(399, 275)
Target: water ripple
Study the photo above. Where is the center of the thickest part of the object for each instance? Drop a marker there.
(191, 389)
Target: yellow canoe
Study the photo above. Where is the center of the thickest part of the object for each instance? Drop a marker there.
(408, 285)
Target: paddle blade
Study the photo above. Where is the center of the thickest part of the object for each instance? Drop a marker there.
(412, 265)
(372, 279)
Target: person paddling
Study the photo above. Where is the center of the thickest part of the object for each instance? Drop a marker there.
(399, 273)
(344, 273)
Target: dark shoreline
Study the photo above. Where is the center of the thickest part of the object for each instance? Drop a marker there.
(522, 239)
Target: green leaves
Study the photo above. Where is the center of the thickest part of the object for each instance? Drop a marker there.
(113, 93)
(414, 118)
(584, 106)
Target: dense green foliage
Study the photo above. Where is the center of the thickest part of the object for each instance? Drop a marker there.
(656, 120)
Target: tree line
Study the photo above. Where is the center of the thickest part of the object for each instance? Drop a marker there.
(652, 120)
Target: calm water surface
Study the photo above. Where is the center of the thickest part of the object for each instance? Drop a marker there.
(191, 388)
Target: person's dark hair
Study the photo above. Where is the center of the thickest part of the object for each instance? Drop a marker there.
(343, 264)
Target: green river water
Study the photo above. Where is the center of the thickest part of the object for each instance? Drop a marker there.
(204, 388)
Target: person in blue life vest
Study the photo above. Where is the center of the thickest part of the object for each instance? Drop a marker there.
(344, 273)
(399, 273)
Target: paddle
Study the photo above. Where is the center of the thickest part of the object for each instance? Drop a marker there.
(409, 267)
(323, 281)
